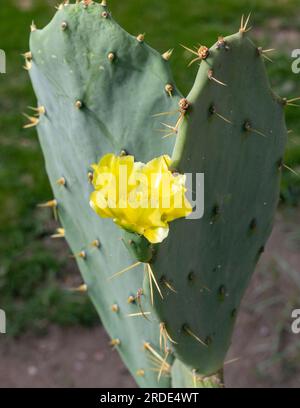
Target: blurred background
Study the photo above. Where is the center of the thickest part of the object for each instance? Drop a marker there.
(54, 336)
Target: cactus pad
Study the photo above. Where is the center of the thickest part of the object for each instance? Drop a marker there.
(100, 88)
(235, 134)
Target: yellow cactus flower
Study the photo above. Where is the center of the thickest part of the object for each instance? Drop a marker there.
(141, 198)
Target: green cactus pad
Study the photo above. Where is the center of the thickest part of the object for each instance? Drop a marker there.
(138, 246)
(235, 134)
(182, 377)
(101, 88)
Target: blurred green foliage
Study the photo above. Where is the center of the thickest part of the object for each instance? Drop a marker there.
(32, 276)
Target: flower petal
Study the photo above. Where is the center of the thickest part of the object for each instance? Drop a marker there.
(139, 197)
(156, 235)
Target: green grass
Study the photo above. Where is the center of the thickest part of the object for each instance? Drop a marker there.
(32, 277)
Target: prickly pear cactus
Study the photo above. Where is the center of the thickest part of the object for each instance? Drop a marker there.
(235, 134)
(99, 90)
